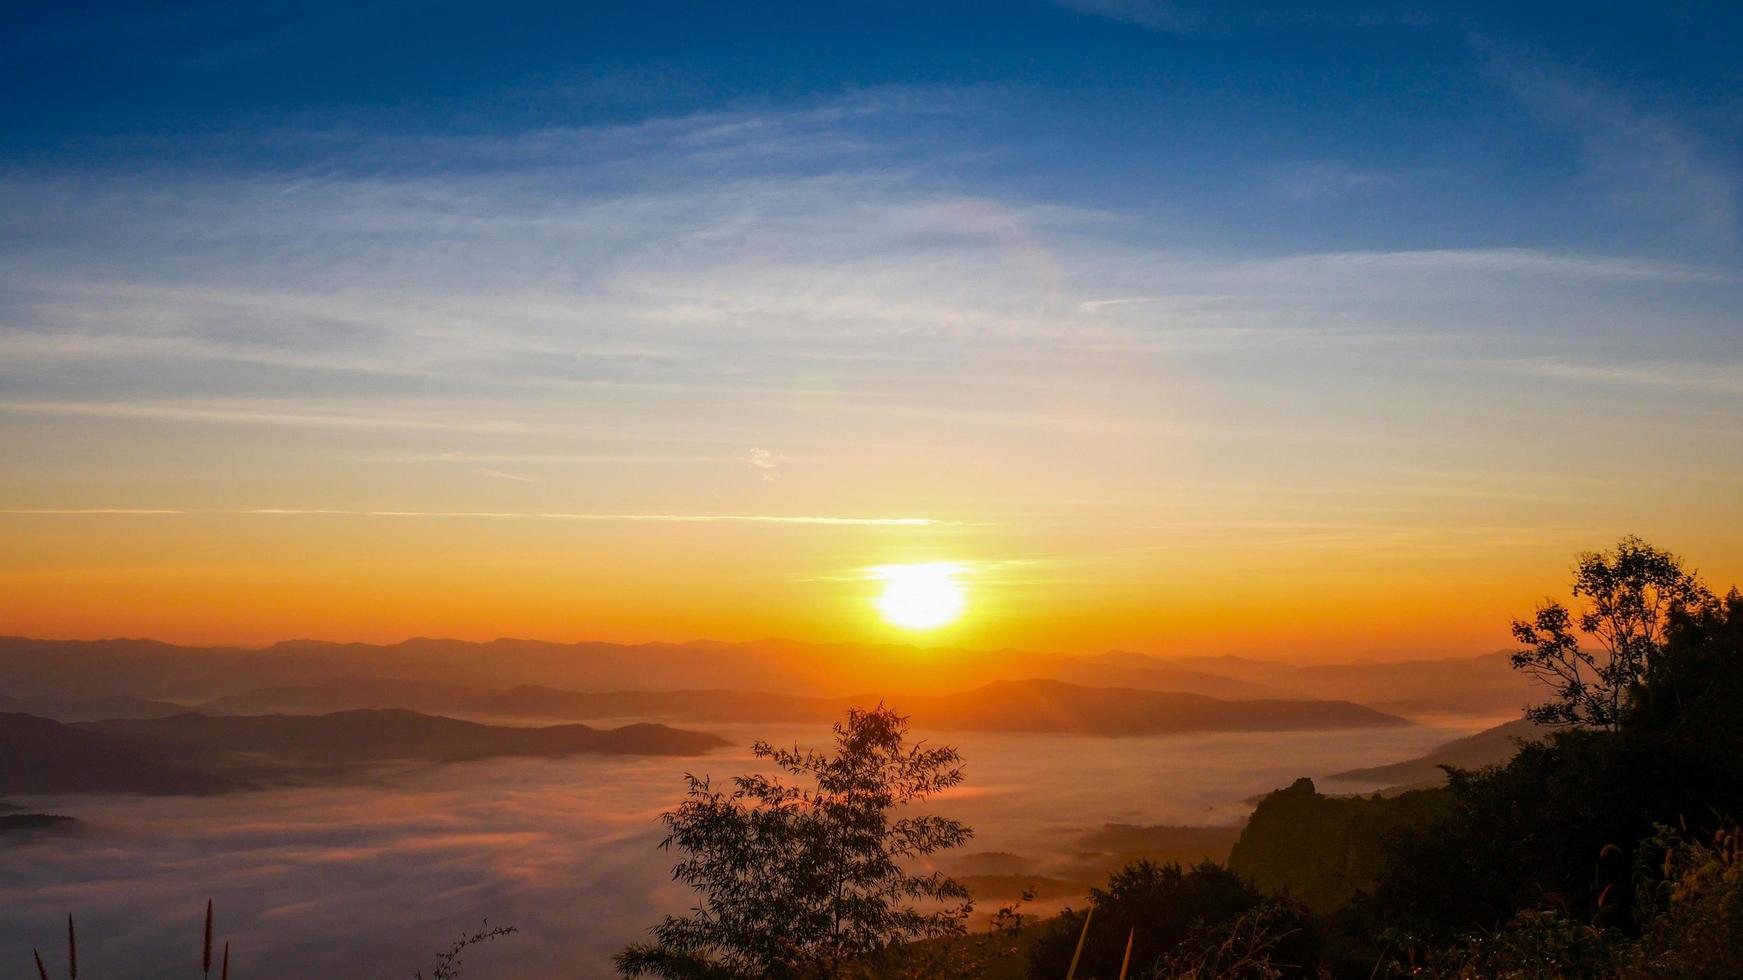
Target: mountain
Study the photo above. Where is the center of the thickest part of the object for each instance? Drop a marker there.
(1490, 747)
(35, 823)
(716, 706)
(1483, 685)
(1120, 668)
(62, 670)
(46, 756)
(198, 754)
(147, 668)
(92, 709)
(1057, 707)
(345, 694)
(385, 734)
(1009, 706)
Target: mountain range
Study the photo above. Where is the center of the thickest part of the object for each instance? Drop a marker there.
(61, 670)
(1490, 747)
(200, 754)
(1041, 706)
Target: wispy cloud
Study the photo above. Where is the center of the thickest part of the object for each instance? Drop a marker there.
(774, 519)
(251, 413)
(1642, 159)
(1156, 14)
(87, 511)
(1719, 379)
(764, 461)
(1506, 261)
(802, 519)
(505, 475)
(1317, 180)
(516, 307)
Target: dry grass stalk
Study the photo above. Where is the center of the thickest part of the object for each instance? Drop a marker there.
(1071, 974)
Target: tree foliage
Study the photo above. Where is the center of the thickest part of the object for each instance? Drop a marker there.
(1554, 851)
(1630, 596)
(801, 880)
(1206, 916)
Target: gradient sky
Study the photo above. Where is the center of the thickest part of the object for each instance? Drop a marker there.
(1184, 327)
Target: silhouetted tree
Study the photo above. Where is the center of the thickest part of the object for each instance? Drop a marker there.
(1630, 596)
(1558, 829)
(799, 881)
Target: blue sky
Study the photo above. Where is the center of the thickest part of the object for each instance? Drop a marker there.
(1243, 126)
(1119, 294)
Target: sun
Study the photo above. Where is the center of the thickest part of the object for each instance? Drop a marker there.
(920, 597)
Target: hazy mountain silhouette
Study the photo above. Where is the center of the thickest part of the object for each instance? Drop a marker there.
(1017, 706)
(193, 753)
(61, 670)
(46, 756)
(35, 823)
(1485, 684)
(1057, 707)
(1490, 747)
(348, 693)
(92, 709)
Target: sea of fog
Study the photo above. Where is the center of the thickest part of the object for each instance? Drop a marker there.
(369, 880)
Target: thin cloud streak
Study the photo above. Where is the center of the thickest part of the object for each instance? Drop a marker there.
(86, 511)
(802, 519)
(811, 519)
(1719, 379)
(244, 415)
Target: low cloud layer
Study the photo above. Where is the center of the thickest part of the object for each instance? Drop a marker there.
(372, 880)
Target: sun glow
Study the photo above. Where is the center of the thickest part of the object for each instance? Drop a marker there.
(920, 597)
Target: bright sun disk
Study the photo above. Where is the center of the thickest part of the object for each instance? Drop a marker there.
(921, 596)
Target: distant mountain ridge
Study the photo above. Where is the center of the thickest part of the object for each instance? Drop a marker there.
(1490, 747)
(202, 754)
(149, 669)
(1039, 706)
(92, 709)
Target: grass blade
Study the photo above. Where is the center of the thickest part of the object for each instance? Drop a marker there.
(1128, 960)
(206, 957)
(1071, 974)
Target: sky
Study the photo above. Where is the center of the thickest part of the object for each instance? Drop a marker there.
(1182, 328)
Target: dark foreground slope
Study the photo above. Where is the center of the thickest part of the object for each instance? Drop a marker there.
(1323, 849)
(193, 753)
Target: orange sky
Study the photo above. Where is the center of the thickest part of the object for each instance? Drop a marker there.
(1309, 592)
(604, 384)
